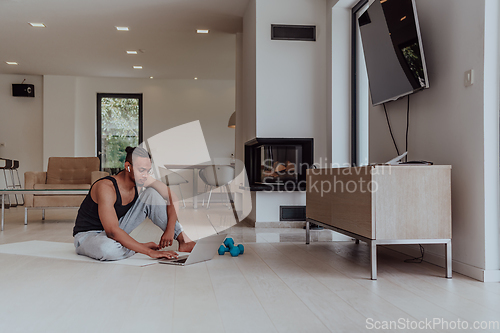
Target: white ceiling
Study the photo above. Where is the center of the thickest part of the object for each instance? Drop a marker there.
(81, 39)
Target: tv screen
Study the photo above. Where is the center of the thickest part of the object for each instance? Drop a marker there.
(393, 51)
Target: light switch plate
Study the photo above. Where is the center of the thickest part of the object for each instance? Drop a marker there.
(469, 78)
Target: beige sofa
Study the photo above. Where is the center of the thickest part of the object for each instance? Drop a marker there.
(62, 173)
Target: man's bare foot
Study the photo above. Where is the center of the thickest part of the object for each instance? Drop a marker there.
(185, 243)
(186, 247)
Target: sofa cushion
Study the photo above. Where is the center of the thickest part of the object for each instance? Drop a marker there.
(71, 170)
(62, 186)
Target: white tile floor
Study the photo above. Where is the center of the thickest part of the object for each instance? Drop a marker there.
(278, 285)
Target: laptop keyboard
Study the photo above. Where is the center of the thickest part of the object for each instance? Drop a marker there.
(180, 261)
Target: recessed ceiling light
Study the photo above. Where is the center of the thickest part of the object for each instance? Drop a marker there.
(137, 67)
(37, 25)
(11, 63)
(196, 78)
(122, 28)
(150, 77)
(131, 52)
(202, 31)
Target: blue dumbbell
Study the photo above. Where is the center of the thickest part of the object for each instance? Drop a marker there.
(230, 247)
(235, 251)
(229, 242)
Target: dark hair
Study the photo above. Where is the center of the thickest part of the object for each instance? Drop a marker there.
(133, 152)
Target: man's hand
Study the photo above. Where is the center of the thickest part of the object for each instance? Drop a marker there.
(166, 239)
(152, 245)
(162, 254)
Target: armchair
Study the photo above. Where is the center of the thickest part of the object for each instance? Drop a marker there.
(62, 173)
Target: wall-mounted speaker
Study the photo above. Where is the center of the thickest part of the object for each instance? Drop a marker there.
(293, 32)
(23, 90)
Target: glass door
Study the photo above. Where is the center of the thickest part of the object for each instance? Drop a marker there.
(119, 124)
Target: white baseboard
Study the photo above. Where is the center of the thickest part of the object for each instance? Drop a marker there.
(457, 266)
(491, 275)
(280, 224)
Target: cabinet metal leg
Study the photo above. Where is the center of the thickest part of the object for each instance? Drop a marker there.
(25, 215)
(43, 214)
(447, 247)
(373, 259)
(308, 233)
(356, 241)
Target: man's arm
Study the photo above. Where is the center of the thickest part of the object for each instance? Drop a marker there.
(167, 238)
(105, 197)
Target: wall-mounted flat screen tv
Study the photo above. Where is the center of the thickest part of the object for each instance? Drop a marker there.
(392, 48)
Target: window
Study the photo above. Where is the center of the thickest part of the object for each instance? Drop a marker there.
(119, 124)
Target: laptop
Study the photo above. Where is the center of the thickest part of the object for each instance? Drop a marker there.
(205, 249)
(397, 160)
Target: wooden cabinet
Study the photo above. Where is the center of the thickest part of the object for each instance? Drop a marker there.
(383, 204)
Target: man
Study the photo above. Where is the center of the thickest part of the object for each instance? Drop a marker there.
(116, 205)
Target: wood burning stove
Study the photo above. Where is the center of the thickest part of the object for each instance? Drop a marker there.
(275, 164)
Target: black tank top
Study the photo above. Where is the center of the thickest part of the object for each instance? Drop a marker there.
(88, 214)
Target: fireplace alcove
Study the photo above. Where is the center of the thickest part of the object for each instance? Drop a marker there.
(278, 164)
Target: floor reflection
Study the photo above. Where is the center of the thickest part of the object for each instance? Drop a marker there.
(203, 222)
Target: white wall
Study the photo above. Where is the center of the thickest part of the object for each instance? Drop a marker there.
(246, 88)
(491, 139)
(268, 205)
(21, 121)
(289, 86)
(167, 104)
(246, 115)
(238, 137)
(291, 76)
(338, 82)
(453, 124)
(59, 103)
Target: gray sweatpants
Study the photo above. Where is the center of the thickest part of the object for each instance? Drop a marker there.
(96, 244)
